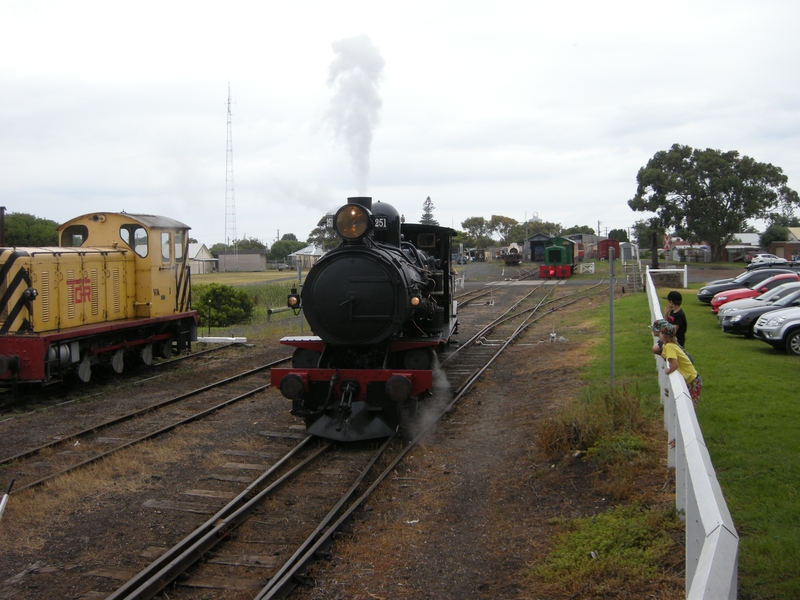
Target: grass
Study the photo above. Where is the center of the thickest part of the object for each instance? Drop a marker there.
(748, 413)
(630, 543)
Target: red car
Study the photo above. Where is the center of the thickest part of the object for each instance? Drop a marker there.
(740, 293)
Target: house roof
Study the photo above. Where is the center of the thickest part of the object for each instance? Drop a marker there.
(748, 238)
(794, 231)
(311, 250)
(199, 252)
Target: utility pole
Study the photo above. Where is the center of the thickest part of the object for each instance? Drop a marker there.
(230, 203)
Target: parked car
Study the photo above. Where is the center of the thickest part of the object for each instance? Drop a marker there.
(767, 259)
(780, 329)
(746, 279)
(766, 298)
(747, 292)
(741, 321)
(758, 257)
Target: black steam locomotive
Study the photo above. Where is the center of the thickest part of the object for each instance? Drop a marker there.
(381, 305)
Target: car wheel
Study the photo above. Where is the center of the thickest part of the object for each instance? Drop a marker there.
(793, 343)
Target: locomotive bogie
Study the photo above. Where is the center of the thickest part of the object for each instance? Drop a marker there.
(351, 404)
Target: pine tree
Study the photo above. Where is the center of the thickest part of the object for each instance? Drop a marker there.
(427, 212)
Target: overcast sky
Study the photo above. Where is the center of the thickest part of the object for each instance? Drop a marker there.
(507, 108)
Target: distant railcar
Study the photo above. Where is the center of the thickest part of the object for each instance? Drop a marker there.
(559, 258)
(512, 258)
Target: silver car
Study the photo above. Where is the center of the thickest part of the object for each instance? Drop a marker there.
(780, 329)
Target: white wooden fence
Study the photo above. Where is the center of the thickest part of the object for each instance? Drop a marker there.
(712, 544)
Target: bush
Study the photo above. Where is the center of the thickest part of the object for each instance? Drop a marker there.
(224, 305)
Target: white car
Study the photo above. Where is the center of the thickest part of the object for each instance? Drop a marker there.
(763, 258)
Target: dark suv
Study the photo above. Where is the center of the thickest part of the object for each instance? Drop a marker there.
(746, 279)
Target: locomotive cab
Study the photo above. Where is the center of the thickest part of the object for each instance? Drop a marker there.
(156, 245)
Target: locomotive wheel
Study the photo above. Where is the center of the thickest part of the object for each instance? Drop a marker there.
(85, 369)
(117, 361)
(165, 349)
(147, 354)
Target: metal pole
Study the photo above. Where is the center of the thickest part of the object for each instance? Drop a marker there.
(611, 310)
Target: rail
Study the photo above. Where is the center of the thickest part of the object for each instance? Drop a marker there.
(712, 544)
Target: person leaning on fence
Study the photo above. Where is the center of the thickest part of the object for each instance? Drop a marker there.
(677, 359)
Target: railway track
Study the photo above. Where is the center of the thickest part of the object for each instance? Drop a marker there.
(101, 439)
(192, 563)
(15, 398)
(269, 550)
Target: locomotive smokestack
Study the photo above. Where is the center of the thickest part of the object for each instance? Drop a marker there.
(365, 201)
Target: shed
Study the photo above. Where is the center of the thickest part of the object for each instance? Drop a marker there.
(305, 257)
(537, 243)
(243, 260)
(201, 260)
(604, 245)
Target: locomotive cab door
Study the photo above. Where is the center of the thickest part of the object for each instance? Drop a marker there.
(161, 276)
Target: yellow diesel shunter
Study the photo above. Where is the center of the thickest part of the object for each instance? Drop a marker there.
(117, 288)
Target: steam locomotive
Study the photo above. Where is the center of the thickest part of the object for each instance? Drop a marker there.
(381, 305)
(116, 289)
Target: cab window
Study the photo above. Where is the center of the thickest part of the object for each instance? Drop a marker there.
(74, 236)
(165, 245)
(178, 246)
(135, 236)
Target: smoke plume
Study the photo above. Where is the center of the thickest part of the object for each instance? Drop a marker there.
(355, 75)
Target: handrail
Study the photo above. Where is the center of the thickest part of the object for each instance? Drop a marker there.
(712, 544)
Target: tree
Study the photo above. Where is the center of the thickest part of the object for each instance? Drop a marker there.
(427, 213)
(708, 195)
(649, 233)
(502, 226)
(23, 229)
(220, 248)
(578, 229)
(545, 227)
(618, 234)
(193, 240)
(283, 248)
(478, 228)
(322, 237)
(250, 244)
(289, 236)
(773, 233)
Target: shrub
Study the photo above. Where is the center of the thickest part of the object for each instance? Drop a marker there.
(223, 305)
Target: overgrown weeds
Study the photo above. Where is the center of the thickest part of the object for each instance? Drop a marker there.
(594, 420)
(617, 549)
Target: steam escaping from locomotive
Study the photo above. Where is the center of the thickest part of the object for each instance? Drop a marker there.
(355, 75)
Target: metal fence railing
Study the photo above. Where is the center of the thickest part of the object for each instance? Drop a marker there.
(712, 544)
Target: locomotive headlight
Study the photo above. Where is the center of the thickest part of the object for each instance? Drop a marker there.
(352, 222)
(293, 299)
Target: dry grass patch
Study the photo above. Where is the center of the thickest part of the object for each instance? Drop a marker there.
(33, 513)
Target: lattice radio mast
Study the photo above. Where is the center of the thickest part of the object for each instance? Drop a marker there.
(230, 202)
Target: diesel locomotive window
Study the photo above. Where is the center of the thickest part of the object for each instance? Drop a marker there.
(178, 246)
(74, 236)
(136, 237)
(165, 245)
